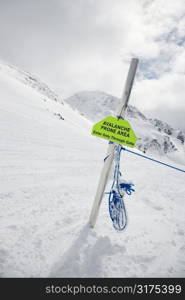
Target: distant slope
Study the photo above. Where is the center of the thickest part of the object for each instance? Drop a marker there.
(29, 80)
(154, 136)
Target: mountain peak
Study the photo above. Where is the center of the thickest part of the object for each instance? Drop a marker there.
(98, 104)
(153, 135)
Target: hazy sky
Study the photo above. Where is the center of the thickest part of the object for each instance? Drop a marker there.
(76, 45)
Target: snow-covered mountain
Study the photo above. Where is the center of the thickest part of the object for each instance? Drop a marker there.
(50, 166)
(166, 128)
(96, 105)
(153, 135)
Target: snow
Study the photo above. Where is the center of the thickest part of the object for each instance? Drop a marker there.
(49, 174)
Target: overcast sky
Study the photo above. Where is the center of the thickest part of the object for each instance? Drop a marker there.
(76, 45)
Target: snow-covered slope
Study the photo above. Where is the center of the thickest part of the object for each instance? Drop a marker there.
(154, 136)
(30, 80)
(50, 165)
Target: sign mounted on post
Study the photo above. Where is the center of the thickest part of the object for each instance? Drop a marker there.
(115, 130)
(121, 111)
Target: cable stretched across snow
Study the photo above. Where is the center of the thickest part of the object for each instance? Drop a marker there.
(152, 159)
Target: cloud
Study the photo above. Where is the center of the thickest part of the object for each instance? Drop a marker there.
(87, 44)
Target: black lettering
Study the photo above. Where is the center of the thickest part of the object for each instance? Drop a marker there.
(96, 132)
(108, 129)
(122, 133)
(106, 136)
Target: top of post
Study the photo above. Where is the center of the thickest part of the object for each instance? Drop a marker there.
(128, 87)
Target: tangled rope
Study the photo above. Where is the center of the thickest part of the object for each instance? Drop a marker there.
(117, 208)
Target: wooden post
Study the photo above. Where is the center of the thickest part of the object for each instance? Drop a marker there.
(110, 152)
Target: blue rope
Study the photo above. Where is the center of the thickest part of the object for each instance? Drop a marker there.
(158, 161)
(117, 210)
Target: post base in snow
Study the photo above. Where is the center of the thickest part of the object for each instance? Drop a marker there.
(91, 225)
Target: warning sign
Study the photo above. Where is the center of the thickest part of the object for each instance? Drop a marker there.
(115, 130)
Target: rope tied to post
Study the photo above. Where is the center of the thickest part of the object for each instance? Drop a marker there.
(117, 210)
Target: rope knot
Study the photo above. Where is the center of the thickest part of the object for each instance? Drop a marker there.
(127, 187)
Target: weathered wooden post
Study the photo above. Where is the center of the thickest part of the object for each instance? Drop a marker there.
(110, 152)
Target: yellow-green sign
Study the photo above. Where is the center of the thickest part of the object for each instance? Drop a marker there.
(115, 130)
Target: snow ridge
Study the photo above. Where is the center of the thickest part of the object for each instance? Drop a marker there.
(30, 80)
